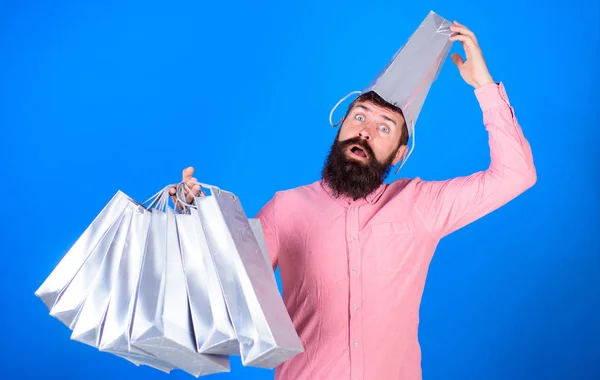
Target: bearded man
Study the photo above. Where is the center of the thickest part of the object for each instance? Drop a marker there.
(353, 251)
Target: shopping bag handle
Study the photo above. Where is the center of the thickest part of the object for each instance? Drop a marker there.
(160, 200)
(180, 193)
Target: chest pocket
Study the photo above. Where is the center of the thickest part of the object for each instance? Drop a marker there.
(394, 243)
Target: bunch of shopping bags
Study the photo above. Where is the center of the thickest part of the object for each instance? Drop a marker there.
(174, 287)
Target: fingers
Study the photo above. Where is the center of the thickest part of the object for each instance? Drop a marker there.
(192, 185)
(191, 191)
(190, 188)
(187, 173)
(189, 197)
(459, 28)
(457, 59)
(467, 41)
(190, 181)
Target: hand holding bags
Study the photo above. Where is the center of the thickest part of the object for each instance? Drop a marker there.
(155, 287)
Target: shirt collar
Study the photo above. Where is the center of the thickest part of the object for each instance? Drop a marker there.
(372, 198)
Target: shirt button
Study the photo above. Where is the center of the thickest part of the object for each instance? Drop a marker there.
(369, 199)
(355, 307)
(354, 272)
(352, 209)
(356, 343)
(351, 238)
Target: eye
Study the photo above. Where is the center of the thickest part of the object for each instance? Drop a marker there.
(384, 128)
(359, 117)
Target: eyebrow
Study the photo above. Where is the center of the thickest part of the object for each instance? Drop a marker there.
(369, 110)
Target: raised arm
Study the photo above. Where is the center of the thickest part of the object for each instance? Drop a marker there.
(451, 204)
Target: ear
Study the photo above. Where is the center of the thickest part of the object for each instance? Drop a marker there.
(400, 154)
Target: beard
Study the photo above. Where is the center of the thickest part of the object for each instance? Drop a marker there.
(350, 176)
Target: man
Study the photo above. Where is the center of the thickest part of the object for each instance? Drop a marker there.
(354, 252)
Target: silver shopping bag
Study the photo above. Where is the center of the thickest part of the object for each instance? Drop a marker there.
(115, 285)
(261, 322)
(65, 289)
(115, 333)
(213, 330)
(407, 77)
(90, 320)
(78, 290)
(162, 323)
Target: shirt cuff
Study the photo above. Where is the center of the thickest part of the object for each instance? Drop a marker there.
(492, 96)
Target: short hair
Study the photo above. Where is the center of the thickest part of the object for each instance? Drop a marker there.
(373, 97)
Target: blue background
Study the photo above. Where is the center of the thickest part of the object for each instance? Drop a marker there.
(101, 96)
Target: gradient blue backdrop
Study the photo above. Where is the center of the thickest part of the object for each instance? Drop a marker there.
(101, 96)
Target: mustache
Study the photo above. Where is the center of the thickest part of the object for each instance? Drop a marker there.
(360, 142)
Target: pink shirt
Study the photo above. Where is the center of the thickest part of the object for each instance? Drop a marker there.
(353, 273)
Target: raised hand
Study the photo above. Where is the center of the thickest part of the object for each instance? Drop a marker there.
(191, 190)
(474, 70)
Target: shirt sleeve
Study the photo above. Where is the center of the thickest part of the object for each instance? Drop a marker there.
(268, 219)
(449, 205)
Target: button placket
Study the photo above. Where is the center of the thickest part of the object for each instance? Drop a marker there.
(355, 288)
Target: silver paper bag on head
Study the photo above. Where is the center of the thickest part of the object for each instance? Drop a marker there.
(162, 323)
(406, 79)
(408, 76)
(262, 324)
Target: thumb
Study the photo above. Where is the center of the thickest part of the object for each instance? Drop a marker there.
(457, 59)
(187, 173)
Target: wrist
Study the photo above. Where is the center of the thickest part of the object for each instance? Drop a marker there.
(484, 81)
(492, 97)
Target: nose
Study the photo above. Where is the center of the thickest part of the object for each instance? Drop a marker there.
(365, 133)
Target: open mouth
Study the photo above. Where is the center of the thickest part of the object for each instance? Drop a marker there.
(358, 151)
